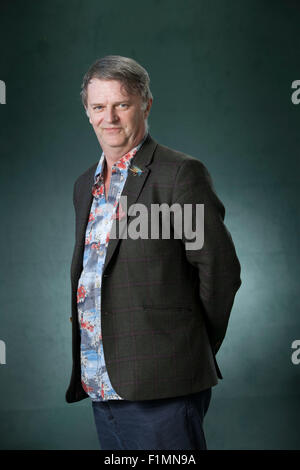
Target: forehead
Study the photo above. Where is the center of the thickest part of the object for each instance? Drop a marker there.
(107, 90)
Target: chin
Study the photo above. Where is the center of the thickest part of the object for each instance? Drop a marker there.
(115, 143)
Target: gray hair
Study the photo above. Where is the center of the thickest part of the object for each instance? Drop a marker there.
(132, 75)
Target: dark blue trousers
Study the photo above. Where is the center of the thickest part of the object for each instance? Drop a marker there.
(164, 424)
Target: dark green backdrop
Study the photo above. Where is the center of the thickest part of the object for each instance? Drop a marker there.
(221, 74)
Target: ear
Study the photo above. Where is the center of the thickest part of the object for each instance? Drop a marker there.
(88, 115)
(147, 110)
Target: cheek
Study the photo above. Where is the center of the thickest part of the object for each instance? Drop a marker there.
(96, 121)
(134, 120)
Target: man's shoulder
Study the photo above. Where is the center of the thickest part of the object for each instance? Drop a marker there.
(178, 160)
(173, 155)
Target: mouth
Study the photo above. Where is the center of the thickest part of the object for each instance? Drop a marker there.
(111, 129)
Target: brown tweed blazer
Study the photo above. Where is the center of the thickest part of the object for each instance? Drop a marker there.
(165, 309)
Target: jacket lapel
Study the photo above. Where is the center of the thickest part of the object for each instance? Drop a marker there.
(132, 188)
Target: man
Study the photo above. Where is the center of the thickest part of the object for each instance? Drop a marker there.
(148, 313)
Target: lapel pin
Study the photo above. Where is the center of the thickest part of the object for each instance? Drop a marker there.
(136, 171)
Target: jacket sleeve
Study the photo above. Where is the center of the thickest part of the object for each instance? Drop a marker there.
(216, 261)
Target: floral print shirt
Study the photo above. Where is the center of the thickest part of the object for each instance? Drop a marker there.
(94, 377)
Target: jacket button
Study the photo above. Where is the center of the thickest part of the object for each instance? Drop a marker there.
(105, 313)
(71, 319)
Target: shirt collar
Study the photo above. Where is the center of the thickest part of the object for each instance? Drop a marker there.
(122, 163)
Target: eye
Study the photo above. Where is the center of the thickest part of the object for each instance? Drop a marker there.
(123, 105)
(98, 108)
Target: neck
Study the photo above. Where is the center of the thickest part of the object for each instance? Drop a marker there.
(112, 155)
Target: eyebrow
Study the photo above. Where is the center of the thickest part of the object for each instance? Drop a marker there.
(117, 102)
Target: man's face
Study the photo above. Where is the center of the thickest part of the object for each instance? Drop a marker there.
(118, 118)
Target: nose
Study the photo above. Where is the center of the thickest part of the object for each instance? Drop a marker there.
(110, 114)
